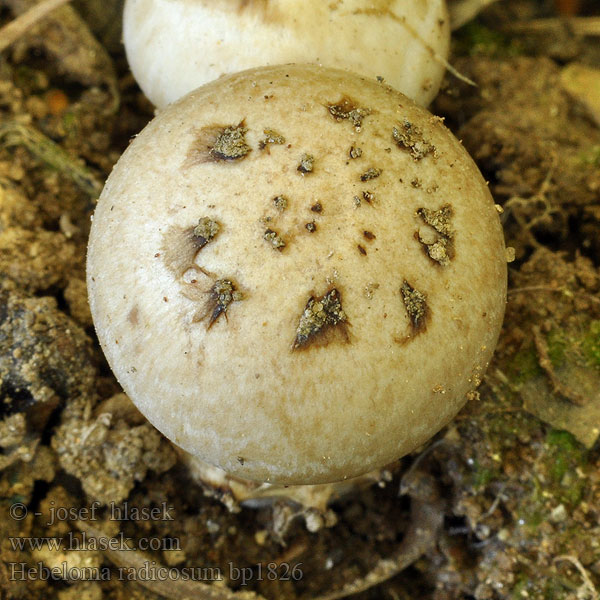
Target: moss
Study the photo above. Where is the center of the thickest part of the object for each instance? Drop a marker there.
(475, 39)
(520, 590)
(591, 157)
(482, 475)
(553, 589)
(562, 458)
(562, 440)
(524, 366)
(557, 345)
(590, 344)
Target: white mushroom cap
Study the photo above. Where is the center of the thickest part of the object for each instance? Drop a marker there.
(174, 46)
(336, 353)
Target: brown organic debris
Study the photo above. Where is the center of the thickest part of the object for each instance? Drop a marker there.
(415, 303)
(347, 109)
(410, 137)
(320, 314)
(274, 239)
(311, 227)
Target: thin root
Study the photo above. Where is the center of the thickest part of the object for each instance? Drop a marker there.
(435, 55)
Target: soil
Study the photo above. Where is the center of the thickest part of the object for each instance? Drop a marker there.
(503, 504)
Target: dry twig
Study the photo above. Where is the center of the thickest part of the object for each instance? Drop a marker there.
(15, 29)
(587, 586)
(13, 133)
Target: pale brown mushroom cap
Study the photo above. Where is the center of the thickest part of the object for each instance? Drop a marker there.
(410, 281)
(174, 46)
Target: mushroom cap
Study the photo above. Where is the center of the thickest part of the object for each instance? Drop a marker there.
(174, 46)
(337, 352)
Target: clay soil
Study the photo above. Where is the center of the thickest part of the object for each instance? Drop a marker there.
(503, 503)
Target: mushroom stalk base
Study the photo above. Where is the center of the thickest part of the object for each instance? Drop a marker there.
(310, 501)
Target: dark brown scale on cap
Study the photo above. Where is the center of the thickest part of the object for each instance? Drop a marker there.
(271, 137)
(205, 231)
(307, 163)
(280, 202)
(347, 109)
(371, 173)
(415, 303)
(438, 219)
(181, 245)
(410, 137)
(368, 197)
(230, 143)
(274, 239)
(320, 316)
(440, 249)
(218, 143)
(220, 296)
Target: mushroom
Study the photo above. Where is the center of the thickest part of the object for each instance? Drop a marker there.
(174, 46)
(276, 353)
